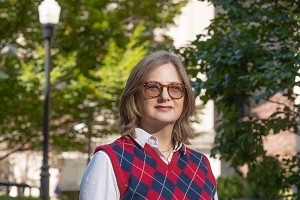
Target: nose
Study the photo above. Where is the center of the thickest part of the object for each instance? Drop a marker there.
(165, 94)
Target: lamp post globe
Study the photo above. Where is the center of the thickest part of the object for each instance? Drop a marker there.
(49, 11)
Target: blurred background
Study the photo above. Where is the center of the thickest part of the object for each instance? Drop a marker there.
(242, 58)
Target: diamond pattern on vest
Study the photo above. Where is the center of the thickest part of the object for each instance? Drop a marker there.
(143, 175)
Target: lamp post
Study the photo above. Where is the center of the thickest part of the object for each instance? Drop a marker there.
(49, 11)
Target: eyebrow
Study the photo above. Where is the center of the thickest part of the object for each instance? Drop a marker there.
(167, 83)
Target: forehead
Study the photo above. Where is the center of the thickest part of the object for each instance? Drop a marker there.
(166, 73)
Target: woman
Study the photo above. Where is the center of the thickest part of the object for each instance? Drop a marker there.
(150, 159)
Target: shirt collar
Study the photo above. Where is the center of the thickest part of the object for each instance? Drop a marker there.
(143, 137)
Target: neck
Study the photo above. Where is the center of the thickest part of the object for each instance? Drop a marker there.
(164, 136)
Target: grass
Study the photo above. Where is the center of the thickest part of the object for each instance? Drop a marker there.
(17, 198)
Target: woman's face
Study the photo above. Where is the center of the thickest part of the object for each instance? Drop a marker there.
(162, 110)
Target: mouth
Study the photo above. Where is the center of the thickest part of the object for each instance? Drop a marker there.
(164, 107)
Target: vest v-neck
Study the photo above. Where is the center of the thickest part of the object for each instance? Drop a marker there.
(152, 153)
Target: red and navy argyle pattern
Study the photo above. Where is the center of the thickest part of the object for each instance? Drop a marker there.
(142, 174)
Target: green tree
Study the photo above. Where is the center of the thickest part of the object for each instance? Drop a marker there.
(95, 41)
(231, 187)
(251, 53)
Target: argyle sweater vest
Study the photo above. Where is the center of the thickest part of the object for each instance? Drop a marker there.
(142, 174)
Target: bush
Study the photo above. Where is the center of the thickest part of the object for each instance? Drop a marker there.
(231, 187)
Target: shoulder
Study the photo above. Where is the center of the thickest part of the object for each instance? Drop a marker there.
(194, 154)
(117, 145)
(100, 160)
(202, 161)
(197, 157)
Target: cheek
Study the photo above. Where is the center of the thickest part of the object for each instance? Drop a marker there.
(145, 106)
(142, 104)
(180, 105)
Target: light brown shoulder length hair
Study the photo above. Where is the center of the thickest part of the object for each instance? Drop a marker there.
(129, 114)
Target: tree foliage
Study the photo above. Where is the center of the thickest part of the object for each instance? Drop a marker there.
(231, 187)
(95, 46)
(250, 54)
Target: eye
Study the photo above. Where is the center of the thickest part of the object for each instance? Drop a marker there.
(152, 86)
(176, 88)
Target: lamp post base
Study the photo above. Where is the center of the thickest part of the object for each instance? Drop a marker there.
(45, 182)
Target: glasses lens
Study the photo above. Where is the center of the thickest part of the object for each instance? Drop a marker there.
(176, 91)
(152, 89)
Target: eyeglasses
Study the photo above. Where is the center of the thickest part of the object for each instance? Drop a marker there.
(154, 89)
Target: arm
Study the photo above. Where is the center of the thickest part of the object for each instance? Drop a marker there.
(216, 196)
(99, 181)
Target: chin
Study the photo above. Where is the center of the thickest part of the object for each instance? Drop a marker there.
(166, 121)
